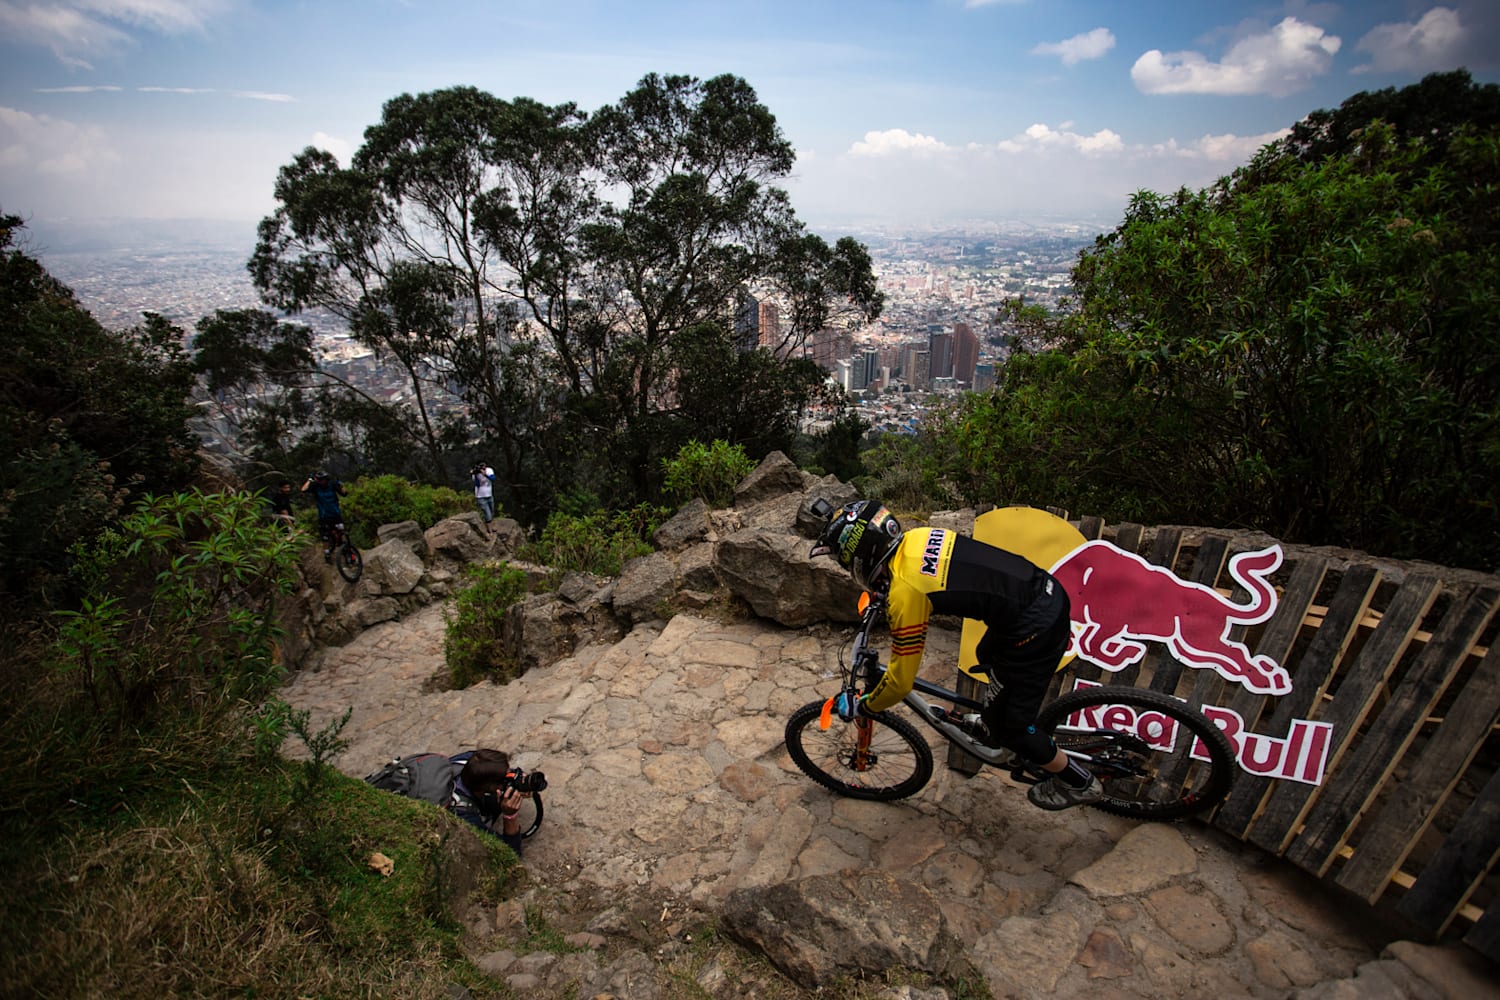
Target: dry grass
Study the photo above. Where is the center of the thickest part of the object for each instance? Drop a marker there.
(206, 906)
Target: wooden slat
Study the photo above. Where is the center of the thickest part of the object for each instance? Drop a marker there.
(1449, 750)
(1466, 856)
(1289, 802)
(1339, 807)
(1206, 569)
(1484, 936)
(1091, 527)
(1280, 636)
(1128, 537)
(1309, 679)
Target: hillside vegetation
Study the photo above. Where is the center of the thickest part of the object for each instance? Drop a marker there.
(1307, 348)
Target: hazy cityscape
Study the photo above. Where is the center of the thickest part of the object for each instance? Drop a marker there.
(939, 333)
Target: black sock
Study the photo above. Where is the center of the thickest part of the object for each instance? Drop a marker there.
(1074, 776)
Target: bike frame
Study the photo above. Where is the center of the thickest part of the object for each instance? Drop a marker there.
(865, 665)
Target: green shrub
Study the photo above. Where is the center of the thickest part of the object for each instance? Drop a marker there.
(598, 542)
(473, 639)
(377, 500)
(709, 471)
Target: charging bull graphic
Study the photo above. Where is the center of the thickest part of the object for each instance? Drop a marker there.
(1120, 599)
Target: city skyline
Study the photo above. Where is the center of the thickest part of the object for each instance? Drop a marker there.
(903, 114)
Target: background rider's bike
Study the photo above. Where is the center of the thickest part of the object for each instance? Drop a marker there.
(1156, 757)
(346, 557)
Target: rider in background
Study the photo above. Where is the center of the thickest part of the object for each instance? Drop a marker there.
(1024, 609)
(326, 492)
(281, 505)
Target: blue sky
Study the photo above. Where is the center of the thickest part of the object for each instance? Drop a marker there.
(905, 114)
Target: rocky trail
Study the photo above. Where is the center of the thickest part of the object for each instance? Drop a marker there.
(672, 802)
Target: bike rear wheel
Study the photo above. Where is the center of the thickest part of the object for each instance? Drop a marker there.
(1157, 758)
(882, 759)
(349, 562)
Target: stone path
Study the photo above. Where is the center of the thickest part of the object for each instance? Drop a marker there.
(668, 777)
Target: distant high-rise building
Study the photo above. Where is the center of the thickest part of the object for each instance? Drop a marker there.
(828, 345)
(770, 326)
(921, 373)
(940, 347)
(747, 321)
(984, 377)
(965, 353)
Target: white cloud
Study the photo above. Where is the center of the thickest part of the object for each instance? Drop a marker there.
(1089, 45)
(342, 149)
(1228, 148)
(971, 4)
(175, 90)
(897, 141)
(77, 31)
(1277, 62)
(168, 17)
(261, 95)
(1041, 136)
(41, 146)
(79, 89)
(1434, 42)
(1047, 171)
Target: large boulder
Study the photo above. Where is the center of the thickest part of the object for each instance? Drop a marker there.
(408, 533)
(687, 527)
(770, 570)
(508, 537)
(852, 923)
(392, 567)
(645, 586)
(775, 476)
(545, 628)
(458, 540)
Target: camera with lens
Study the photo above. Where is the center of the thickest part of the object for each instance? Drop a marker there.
(821, 508)
(524, 781)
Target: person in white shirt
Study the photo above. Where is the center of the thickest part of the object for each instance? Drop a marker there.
(484, 492)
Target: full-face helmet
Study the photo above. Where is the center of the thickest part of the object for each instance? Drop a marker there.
(861, 536)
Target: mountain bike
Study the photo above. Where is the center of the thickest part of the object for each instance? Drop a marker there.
(1157, 758)
(346, 557)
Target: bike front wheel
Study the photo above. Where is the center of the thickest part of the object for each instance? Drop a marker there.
(1157, 758)
(882, 758)
(350, 563)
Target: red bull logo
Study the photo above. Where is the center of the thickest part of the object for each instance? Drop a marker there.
(1120, 601)
(1302, 755)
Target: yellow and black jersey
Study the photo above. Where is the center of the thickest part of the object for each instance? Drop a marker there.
(934, 570)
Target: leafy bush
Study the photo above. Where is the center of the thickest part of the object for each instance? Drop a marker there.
(377, 500)
(709, 471)
(598, 542)
(472, 641)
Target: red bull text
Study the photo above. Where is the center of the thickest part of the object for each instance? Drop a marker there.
(1301, 756)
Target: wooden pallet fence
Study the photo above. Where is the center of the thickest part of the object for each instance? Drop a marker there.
(1409, 804)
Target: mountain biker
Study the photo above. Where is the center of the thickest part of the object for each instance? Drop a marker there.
(326, 492)
(1025, 611)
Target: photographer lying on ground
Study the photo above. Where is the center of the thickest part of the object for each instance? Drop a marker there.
(478, 786)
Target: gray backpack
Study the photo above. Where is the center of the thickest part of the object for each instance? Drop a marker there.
(425, 776)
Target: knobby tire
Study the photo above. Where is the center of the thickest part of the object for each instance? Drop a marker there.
(350, 563)
(900, 766)
(1140, 781)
